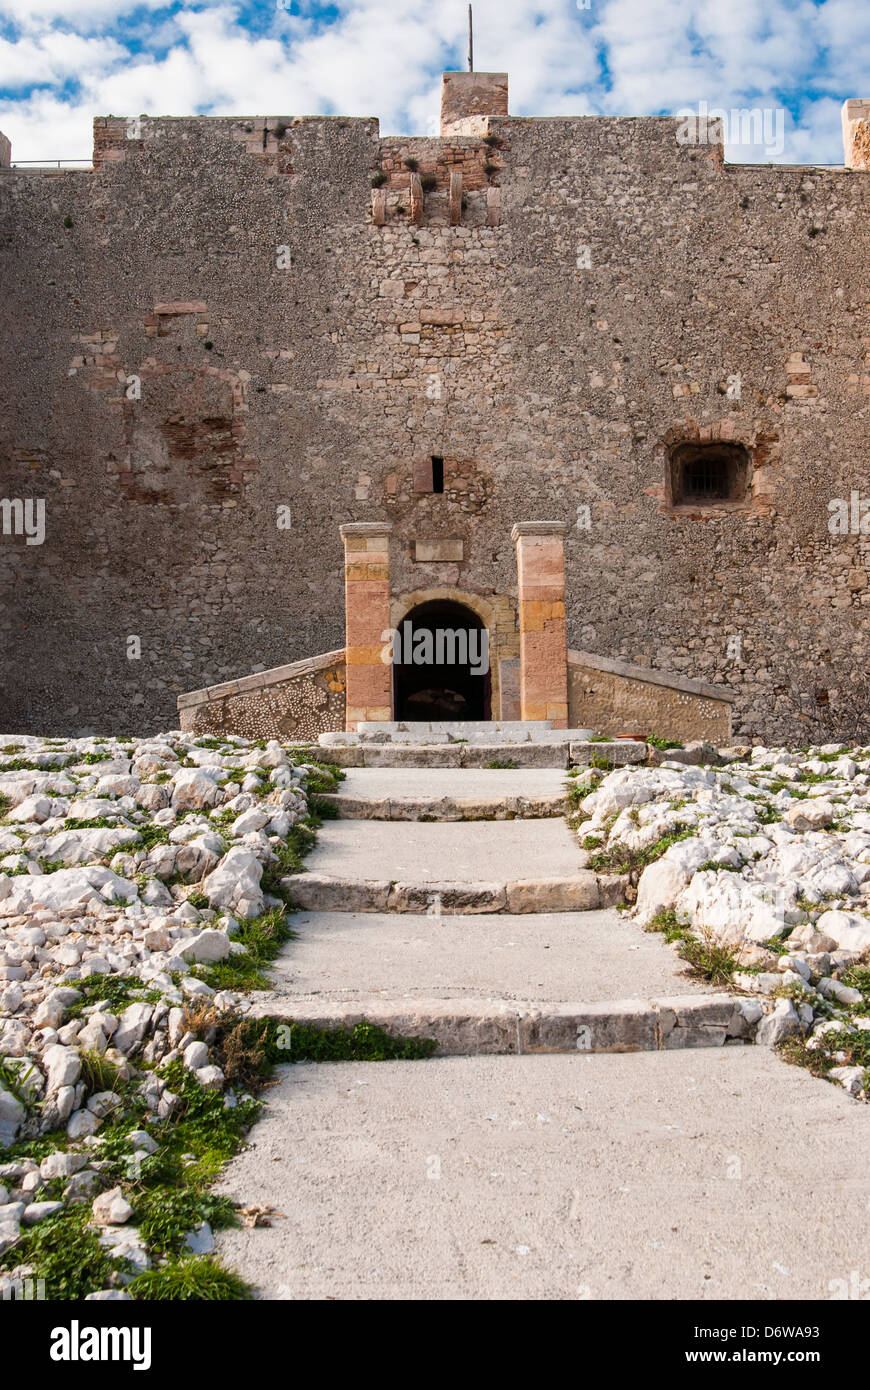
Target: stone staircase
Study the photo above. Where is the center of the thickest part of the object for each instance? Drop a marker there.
(518, 744)
(453, 902)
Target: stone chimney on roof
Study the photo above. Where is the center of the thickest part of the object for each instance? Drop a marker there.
(856, 133)
(468, 99)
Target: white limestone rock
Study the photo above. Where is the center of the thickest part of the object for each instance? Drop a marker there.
(845, 929)
(210, 1078)
(82, 1124)
(132, 1027)
(235, 884)
(12, 1116)
(73, 847)
(66, 888)
(200, 1241)
(207, 945)
(197, 788)
(852, 1079)
(10, 1234)
(111, 1208)
(812, 814)
(660, 885)
(32, 808)
(784, 1022)
(733, 909)
(40, 1211)
(63, 1067)
(195, 1056)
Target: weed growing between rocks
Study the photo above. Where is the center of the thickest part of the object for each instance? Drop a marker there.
(156, 1214)
(65, 1251)
(714, 962)
(624, 859)
(706, 957)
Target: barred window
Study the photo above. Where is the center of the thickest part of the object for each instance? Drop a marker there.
(704, 475)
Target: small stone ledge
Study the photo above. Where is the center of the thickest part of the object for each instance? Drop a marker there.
(261, 679)
(322, 893)
(475, 1027)
(617, 752)
(650, 676)
(446, 808)
(538, 528)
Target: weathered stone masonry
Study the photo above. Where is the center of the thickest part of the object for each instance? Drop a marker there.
(225, 317)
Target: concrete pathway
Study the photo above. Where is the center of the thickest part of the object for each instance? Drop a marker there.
(434, 782)
(718, 1174)
(484, 936)
(643, 1158)
(584, 956)
(455, 852)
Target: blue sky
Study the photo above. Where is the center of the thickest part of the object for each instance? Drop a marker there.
(62, 62)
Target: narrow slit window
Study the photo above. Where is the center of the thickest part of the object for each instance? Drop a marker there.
(437, 474)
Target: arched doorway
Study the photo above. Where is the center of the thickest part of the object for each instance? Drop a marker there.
(441, 664)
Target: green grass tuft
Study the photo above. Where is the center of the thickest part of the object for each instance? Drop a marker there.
(714, 962)
(263, 938)
(166, 1215)
(201, 1278)
(114, 991)
(618, 859)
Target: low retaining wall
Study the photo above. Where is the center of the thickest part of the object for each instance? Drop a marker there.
(307, 698)
(614, 697)
(298, 701)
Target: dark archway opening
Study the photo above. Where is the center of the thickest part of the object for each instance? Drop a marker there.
(441, 665)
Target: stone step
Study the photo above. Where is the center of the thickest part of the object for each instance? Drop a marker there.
(469, 1027)
(559, 753)
(486, 732)
(364, 957)
(450, 728)
(580, 892)
(449, 794)
(446, 808)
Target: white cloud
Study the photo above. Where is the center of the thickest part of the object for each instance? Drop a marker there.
(55, 58)
(86, 15)
(627, 57)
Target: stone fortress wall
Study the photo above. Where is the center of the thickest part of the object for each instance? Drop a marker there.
(230, 323)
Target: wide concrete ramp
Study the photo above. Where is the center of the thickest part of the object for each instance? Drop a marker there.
(719, 1174)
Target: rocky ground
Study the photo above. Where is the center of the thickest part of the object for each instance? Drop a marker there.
(144, 888)
(758, 871)
(140, 892)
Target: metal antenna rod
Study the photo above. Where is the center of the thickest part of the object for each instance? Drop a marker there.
(470, 42)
